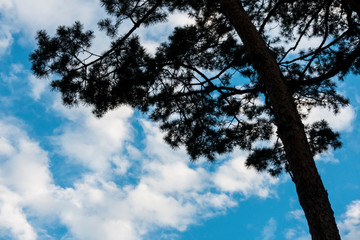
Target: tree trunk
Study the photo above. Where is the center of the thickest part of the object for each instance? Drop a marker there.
(311, 192)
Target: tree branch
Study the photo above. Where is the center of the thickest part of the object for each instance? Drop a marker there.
(127, 35)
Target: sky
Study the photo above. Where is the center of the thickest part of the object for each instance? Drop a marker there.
(65, 174)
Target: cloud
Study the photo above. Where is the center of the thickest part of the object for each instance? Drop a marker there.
(296, 234)
(32, 15)
(6, 39)
(38, 87)
(152, 36)
(12, 218)
(167, 193)
(93, 142)
(350, 224)
(124, 189)
(300, 230)
(327, 157)
(297, 215)
(269, 230)
(24, 180)
(233, 176)
(339, 122)
(17, 77)
(29, 16)
(129, 190)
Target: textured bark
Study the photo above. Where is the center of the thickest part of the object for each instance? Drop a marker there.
(311, 192)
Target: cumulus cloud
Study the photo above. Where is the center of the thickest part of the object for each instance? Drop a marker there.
(32, 15)
(13, 221)
(233, 176)
(350, 224)
(124, 189)
(128, 191)
(93, 142)
(339, 122)
(29, 16)
(24, 180)
(327, 157)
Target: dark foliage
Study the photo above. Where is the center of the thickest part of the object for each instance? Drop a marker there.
(200, 84)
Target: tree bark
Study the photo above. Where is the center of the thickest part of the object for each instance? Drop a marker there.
(311, 192)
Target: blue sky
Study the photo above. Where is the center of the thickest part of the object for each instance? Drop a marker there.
(66, 175)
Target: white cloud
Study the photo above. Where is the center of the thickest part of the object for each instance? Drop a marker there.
(94, 142)
(12, 77)
(168, 191)
(24, 180)
(296, 234)
(350, 224)
(38, 86)
(297, 215)
(233, 176)
(339, 122)
(269, 230)
(300, 230)
(48, 14)
(6, 39)
(12, 218)
(17, 76)
(342, 122)
(180, 19)
(113, 200)
(30, 16)
(327, 157)
(152, 36)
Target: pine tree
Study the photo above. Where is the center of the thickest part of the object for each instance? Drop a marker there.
(224, 82)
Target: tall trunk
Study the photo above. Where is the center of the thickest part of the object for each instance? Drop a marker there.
(311, 192)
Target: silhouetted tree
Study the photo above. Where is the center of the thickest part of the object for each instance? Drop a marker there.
(226, 81)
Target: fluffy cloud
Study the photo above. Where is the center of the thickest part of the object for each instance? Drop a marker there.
(24, 180)
(127, 191)
(12, 218)
(350, 224)
(30, 15)
(93, 142)
(38, 86)
(234, 176)
(339, 122)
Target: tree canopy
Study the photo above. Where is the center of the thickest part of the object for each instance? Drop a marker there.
(203, 84)
(189, 86)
